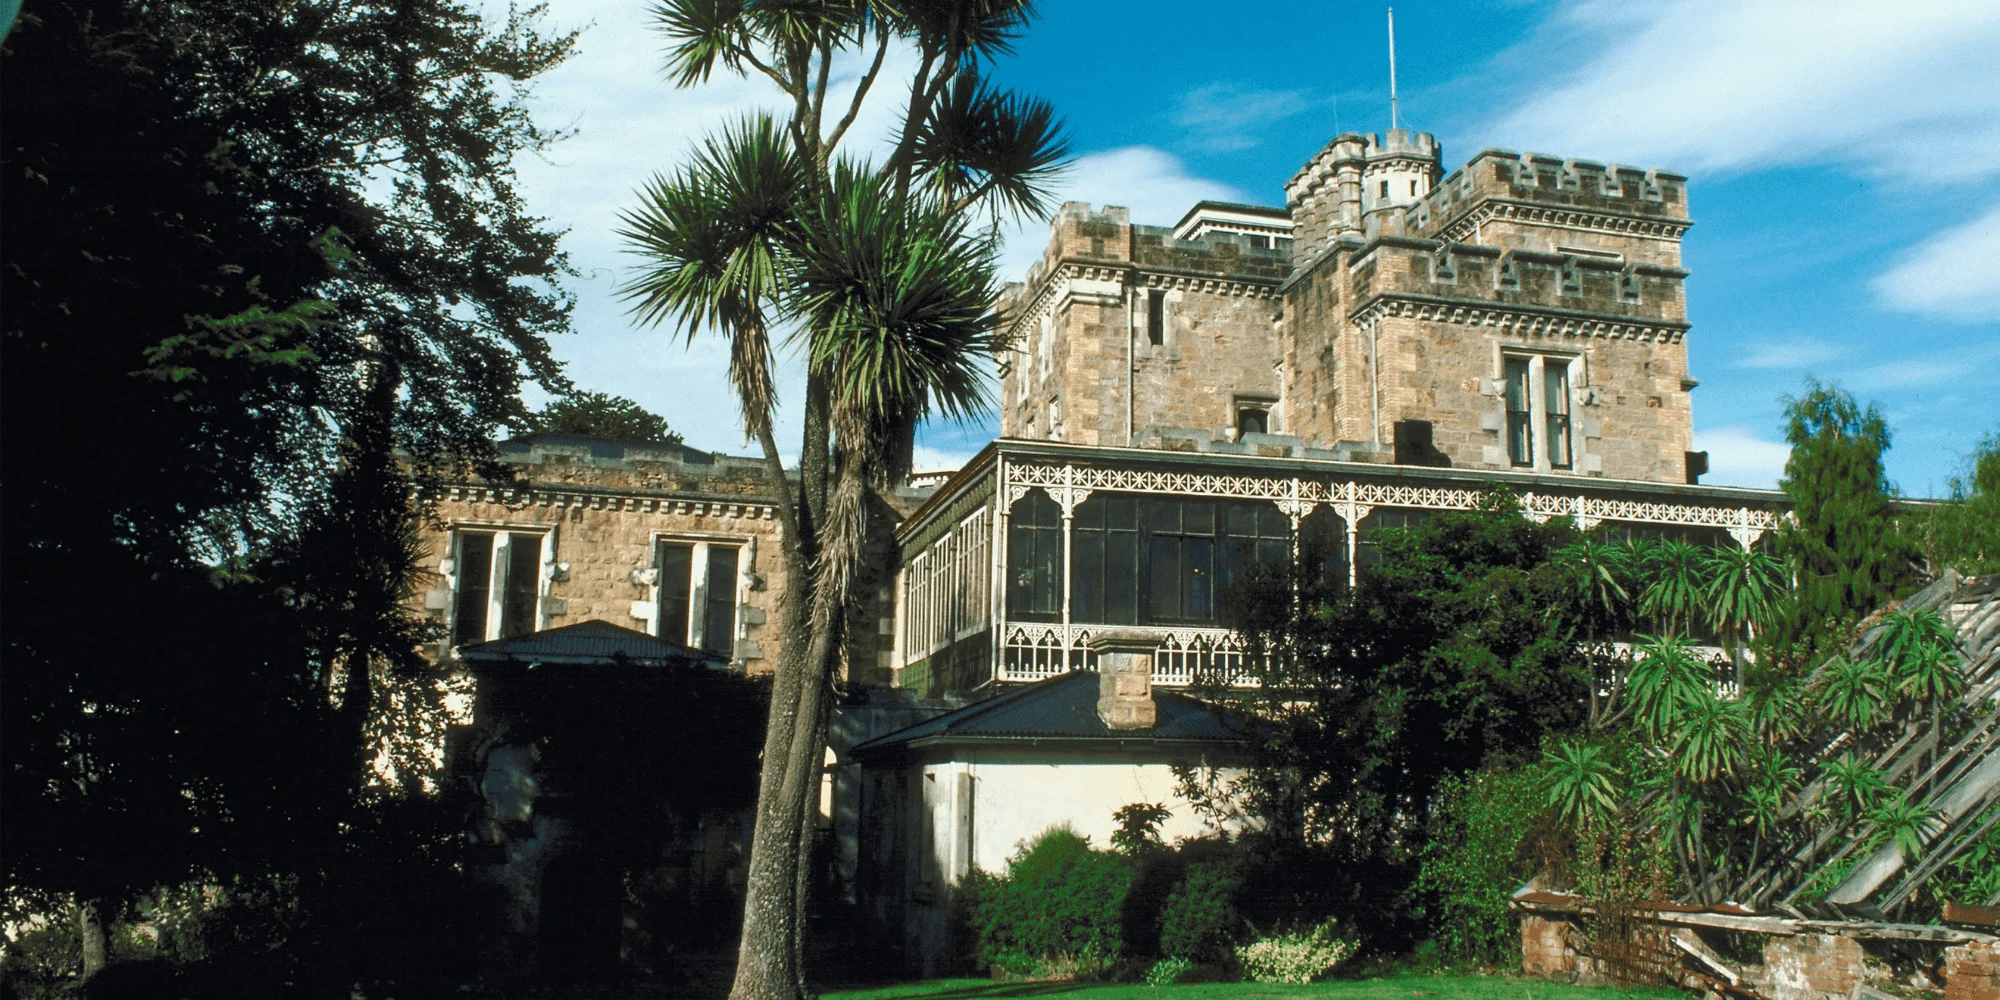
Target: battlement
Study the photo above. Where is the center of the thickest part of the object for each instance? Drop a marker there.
(1539, 180)
(1356, 184)
(1234, 242)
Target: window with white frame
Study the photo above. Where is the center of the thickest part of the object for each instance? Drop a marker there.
(697, 585)
(1536, 390)
(498, 583)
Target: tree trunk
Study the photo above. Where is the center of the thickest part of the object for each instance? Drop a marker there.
(766, 964)
(90, 927)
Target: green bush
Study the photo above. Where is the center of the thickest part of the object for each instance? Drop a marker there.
(1294, 957)
(1167, 971)
(1057, 910)
(1477, 854)
(1199, 920)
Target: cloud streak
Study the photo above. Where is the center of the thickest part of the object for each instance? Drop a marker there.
(1738, 457)
(1723, 86)
(1225, 117)
(1953, 275)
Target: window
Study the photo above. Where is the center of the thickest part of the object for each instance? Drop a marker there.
(1034, 559)
(1156, 319)
(1368, 541)
(698, 595)
(1163, 561)
(1252, 418)
(1520, 436)
(1385, 189)
(499, 584)
(1555, 410)
(1260, 242)
(1104, 575)
(1538, 412)
(1413, 189)
(1323, 545)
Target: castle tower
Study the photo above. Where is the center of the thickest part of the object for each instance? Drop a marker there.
(1525, 313)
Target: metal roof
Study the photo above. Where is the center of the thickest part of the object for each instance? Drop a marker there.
(589, 642)
(1065, 709)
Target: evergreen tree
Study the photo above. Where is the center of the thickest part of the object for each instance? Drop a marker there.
(1846, 545)
(598, 414)
(1964, 532)
(219, 218)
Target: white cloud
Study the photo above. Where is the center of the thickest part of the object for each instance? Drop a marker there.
(1954, 274)
(1969, 361)
(630, 123)
(1738, 457)
(1225, 116)
(1789, 352)
(1153, 183)
(1715, 86)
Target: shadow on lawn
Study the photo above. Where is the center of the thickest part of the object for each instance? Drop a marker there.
(1001, 991)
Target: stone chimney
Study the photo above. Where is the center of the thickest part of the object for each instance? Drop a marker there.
(1125, 678)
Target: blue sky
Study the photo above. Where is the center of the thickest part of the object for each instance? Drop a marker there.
(1844, 162)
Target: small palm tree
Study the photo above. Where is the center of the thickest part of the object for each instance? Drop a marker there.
(1855, 787)
(1853, 693)
(1775, 709)
(1581, 782)
(1666, 679)
(1739, 590)
(1922, 650)
(1905, 824)
(1673, 594)
(1708, 737)
(1600, 589)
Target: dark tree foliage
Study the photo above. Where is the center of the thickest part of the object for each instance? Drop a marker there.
(1846, 545)
(249, 248)
(1964, 532)
(1460, 648)
(599, 414)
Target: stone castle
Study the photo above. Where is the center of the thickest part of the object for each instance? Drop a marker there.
(1179, 406)
(1524, 312)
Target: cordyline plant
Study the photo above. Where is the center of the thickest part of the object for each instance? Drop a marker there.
(884, 287)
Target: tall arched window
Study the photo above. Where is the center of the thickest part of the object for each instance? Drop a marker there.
(1034, 559)
(1323, 545)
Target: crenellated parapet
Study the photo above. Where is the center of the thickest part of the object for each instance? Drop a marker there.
(1357, 184)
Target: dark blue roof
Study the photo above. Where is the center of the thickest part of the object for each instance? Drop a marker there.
(588, 642)
(1065, 708)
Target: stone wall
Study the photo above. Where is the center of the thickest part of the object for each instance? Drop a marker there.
(1812, 966)
(1972, 971)
(606, 504)
(1084, 369)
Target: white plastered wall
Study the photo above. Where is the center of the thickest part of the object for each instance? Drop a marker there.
(981, 813)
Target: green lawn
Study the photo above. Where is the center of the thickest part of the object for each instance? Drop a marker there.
(1388, 988)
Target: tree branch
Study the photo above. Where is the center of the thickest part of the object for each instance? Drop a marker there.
(860, 93)
(973, 199)
(825, 48)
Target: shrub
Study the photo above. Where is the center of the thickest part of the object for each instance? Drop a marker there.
(1199, 920)
(1295, 957)
(1167, 971)
(1477, 854)
(1056, 911)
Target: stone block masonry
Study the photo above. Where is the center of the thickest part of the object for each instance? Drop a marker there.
(1972, 971)
(1813, 966)
(1402, 299)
